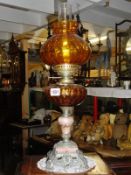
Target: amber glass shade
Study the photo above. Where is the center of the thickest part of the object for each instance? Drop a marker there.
(65, 95)
(65, 46)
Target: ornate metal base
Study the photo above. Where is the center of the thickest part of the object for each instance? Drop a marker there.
(66, 158)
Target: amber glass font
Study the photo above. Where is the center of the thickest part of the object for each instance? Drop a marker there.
(66, 95)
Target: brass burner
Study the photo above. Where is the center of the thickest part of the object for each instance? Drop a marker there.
(67, 71)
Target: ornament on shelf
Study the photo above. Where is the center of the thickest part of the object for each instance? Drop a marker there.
(113, 78)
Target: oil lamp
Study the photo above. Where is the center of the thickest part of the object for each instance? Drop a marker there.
(65, 51)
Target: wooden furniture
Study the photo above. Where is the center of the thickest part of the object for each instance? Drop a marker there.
(28, 127)
(122, 58)
(121, 166)
(10, 111)
(29, 166)
(12, 82)
(118, 160)
(118, 93)
(17, 65)
(28, 131)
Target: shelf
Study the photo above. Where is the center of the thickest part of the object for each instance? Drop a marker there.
(38, 89)
(117, 92)
(23, 126)
(122, 34)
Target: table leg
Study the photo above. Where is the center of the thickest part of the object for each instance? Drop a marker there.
(119, 103)
(95, 108)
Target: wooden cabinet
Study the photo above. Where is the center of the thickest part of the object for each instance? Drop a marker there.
(10, 111)
(123, 59)
(10, 107)
(121, 166)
